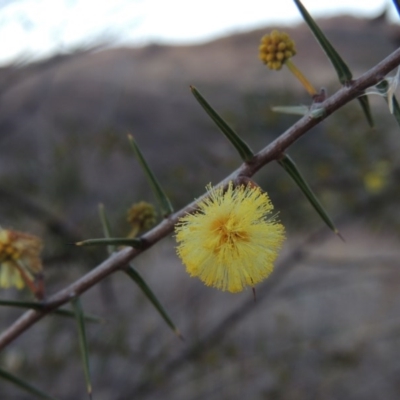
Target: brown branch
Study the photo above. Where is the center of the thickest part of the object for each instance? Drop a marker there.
(119, 260)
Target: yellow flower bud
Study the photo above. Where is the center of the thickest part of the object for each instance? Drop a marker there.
(280, 56)
(275, 49)
(141, 216)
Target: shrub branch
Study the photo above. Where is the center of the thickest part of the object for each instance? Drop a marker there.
(120, 260)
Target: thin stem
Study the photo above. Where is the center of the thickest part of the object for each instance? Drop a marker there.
(299, 75)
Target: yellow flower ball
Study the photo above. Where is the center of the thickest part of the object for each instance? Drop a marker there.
(275, 49)
(231, 241)
(141, 216)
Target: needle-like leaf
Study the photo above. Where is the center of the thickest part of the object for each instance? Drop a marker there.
(133, 242)
(165, 204)
(290, 167)
(24, 385)
(135, 276)
(39, 306)
(342, 70)
(105, 223)
(243, 149)
(384, 89)
(76, 303)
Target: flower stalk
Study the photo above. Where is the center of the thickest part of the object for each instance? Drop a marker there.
(276, 50)
(301, 78)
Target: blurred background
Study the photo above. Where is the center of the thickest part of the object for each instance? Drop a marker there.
(77, 76)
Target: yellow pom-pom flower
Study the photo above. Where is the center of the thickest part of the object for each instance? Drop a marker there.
(231, 241)
(275, 49)
(20, 262)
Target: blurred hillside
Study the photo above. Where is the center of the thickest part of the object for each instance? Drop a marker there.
(325, 325)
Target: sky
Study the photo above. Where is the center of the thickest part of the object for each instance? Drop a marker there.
(39, 28)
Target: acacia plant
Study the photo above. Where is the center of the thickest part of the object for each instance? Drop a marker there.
(230, 236)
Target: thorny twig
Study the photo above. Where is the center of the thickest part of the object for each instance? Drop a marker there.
(271, 152)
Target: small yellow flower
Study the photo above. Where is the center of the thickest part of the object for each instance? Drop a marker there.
(231, 241)
(141, 216)
(275, 49)
(20, 262)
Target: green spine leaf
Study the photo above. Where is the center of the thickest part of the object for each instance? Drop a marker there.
(39, 307)
(364, 102)
(341, 67)
(383, 88)
(76, 303)
(24, 385)
(105, 223)
(396, 109)
(292, 110)
(165, 204)
(290, 167)
(135, 276)
(342, 70)
(136, 243)
(243, 149)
